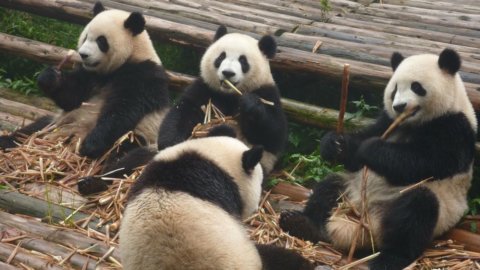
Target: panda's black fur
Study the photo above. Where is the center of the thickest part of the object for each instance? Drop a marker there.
(259, 124)
(185, 210)
(437, 142)
(132, 91)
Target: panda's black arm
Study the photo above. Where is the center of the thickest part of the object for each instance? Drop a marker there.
(179, 122)
(440, 149)
(137, 90)
(263, 124)
(342, 148)
(67, 89)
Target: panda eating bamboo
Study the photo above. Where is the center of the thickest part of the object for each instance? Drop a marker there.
(434, 146)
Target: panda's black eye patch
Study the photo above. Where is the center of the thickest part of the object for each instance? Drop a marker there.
(392, 96)
(244, 63)
(418, 89)
(219, 59)
(103, 44)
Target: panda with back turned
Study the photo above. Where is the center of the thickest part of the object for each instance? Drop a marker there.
(121, 86)
(437, 141)
(244, 62)
(185, 210)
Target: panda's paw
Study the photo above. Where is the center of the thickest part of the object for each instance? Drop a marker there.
(92, 147)
(297, 224)
(333, 146)
(252, 107)
(90, 185)
(7, 142)
(49, 80)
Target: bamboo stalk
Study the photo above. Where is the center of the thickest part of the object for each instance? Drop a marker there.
(264, 101)
(65, 59)
(364, 213)
(344, 96)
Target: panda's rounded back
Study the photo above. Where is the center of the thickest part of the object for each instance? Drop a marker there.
(108, 44)
(226, 153)
(174, 230)
(237, 54)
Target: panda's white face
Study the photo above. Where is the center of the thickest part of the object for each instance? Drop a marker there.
(105, 44)
(237, 58)
(419, 82)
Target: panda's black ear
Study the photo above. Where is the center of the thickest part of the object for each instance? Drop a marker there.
(251, 158)
(449, 61)
(395, 60)
(221, 31)
(97, 8)
(135, 23)
(268, 46)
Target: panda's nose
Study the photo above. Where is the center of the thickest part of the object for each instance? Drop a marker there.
(228, 73)
(400, 107)
(83, 55)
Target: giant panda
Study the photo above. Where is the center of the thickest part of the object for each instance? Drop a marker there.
(121, 86)
(184, 210)
(244, 61)
(437, 141)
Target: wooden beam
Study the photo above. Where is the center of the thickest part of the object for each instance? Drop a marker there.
(298, 111)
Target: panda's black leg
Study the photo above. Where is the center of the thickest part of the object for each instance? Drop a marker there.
(407, 229)
(278, 258)
(310, 224)
(119, 164)
(9, 141)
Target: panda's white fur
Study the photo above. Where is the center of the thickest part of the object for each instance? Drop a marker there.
(235, 45)
(124, 47)
(157, 233)
(164, 229)
(447, 92)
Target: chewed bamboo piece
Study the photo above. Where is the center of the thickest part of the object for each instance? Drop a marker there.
(65, 59)
(364, 219)
(264, 101)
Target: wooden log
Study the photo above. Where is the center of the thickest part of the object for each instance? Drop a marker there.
(62, 236)
(380, 10)
(321, 117)
(38, 102)
(27, 258)
(5, 266)
(468, 7)
(22, 110)
(363, 75)
(49, 211)
(34, 243)
(461, 18)
(469, 239)
(425, 34)
(297, 111)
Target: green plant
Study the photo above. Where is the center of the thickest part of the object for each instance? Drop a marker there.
(24, 85)
(325, 8)
(362, 109)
